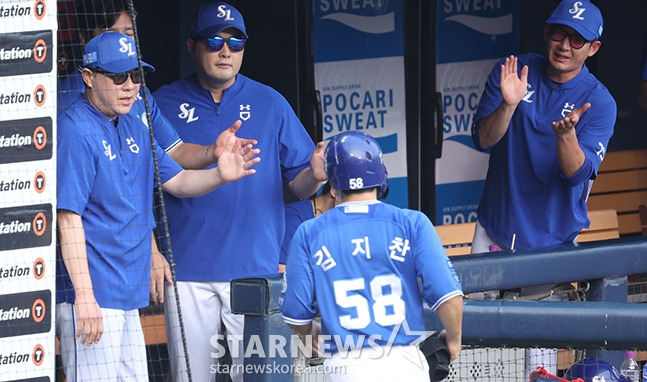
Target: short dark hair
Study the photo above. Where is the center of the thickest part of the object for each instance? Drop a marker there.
(350, 192)
(98, 14)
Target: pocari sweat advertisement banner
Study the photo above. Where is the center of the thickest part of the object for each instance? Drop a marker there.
(471, 36)
(359, 72)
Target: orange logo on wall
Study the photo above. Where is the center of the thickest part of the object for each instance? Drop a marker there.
(63, 60)
(38, 355)
(40, 51)
(38, 310)
(39, 95)
(38, 269)
(40, 7)
(39, 224)
(40, 182)
(40, 138)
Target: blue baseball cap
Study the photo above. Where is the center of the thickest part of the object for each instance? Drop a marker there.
(216, 17)
(113, 52)
(580, 15)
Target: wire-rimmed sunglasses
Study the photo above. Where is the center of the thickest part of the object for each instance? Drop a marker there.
(574, 39)
(236, 44)
(135, 75)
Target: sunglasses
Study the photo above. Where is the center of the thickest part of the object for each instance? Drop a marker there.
(236, 44)
(121, 78)
(575, 40)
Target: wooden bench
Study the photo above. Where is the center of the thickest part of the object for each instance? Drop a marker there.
(622, 185)
(457, 238)
(154, 327)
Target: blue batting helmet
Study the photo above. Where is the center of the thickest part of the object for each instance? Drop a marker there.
(594, 370)
(353, 161)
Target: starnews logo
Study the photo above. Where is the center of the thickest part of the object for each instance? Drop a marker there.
(343, 346)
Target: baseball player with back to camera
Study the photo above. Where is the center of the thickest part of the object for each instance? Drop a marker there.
(105, 218)
(361, 262)
(235, 231)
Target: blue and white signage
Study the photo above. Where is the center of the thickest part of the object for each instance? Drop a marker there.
(471, 35)
(359, 72)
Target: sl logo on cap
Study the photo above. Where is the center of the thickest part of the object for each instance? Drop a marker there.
(576, 11)
(224, 12)
(126, 47)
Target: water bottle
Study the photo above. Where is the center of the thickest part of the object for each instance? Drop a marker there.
(629, 367)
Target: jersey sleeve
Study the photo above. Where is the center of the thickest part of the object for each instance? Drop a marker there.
(295, 214)
(296, 146)
(74, 182)
(489, 101)
(167, 166)
(164, 132)
(594, 130)
(298, 301)
(439, 280)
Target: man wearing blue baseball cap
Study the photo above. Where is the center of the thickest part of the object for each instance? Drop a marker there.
(105, 181)
(546, 122)
(235, 231)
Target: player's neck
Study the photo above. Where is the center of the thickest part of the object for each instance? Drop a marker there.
(359, 196)
(215, 86)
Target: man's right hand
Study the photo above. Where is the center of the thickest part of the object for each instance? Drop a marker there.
(89, 320)
(513, 86)
(218, 147)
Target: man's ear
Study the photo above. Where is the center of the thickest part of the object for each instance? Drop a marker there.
(88, 77)
(595, 46)
(190, 46)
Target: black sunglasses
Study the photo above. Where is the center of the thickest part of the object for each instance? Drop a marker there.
(236, 44)
(574, 39)
(121, 78)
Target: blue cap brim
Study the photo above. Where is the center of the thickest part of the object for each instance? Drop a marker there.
(124, 66)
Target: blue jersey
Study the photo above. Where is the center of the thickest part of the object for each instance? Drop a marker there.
(361, 263)
(105, 174)
(295, 214)
(237, 230)
(72, 86)
(525, 193)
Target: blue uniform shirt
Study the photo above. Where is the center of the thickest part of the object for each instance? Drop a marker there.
(71, 86)
(525, 192)
(105, 174)
(361, 263)
(295, 214)
(237, 230)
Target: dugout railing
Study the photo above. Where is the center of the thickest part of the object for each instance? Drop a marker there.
(604, 324)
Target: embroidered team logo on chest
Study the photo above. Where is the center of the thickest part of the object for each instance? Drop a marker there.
(568, 107)
(529, 93)
(245, 112)
(187, 113)
(132, 145)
